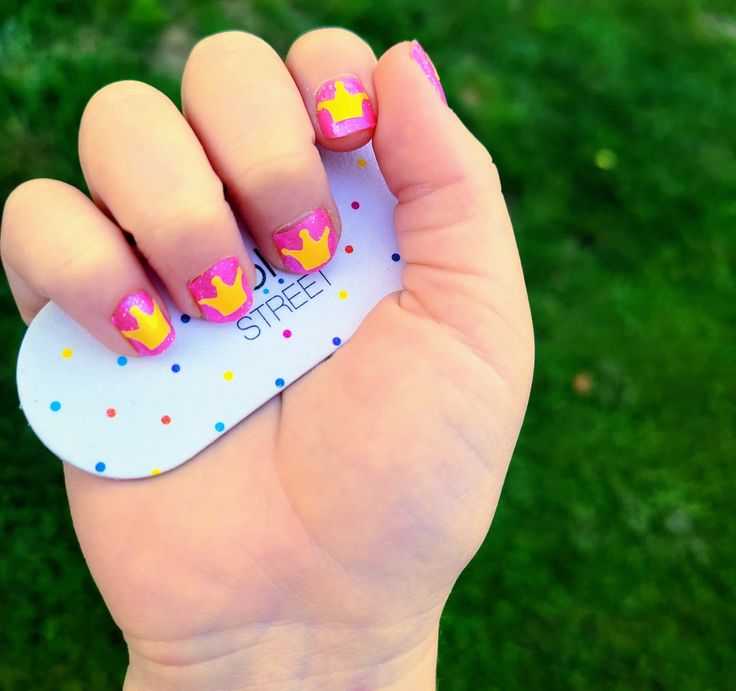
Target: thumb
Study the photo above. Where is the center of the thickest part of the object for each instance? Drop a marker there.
(454, 232)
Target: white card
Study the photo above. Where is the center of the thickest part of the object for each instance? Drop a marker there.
(98, 410)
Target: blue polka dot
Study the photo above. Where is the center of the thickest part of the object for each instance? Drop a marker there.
(266, 291)
(336, 341)
(281, 280)
(100, 467)
(280, 382)
(175, 368)
(219, 426)
(55, 405)
(122, 361)
(396, 256)
(185, 318)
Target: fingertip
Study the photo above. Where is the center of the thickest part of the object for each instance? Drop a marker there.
(333, 70)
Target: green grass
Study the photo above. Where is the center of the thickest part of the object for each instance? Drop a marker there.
(610, 564)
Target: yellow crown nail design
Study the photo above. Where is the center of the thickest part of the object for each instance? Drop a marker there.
(313, 252)
(344, 105)
(230, 297)
(152, 330)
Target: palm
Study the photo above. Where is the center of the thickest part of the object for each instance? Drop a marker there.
(373, 477)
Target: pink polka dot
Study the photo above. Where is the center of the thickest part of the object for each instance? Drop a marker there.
(165, 420)
(355, 205)
(111, 412)
(348, 249)
(287, 333)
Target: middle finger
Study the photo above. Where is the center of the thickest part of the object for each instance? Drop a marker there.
(247, 111)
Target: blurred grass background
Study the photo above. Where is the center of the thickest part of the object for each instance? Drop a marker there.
(610, 564)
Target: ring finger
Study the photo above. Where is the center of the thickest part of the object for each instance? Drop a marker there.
(145, 166)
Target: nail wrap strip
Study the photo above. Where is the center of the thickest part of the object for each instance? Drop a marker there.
(343, 107)
(139, 318)
(309, 244)
(422, 59)
(222, 292)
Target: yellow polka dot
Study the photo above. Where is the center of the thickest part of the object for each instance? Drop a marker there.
(228, 375)
(67, 353)
(342, 294)
(362, 163)
(155, 471)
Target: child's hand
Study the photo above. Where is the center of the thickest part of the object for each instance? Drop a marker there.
(314, 545)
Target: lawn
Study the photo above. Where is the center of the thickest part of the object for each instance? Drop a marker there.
(611, 560)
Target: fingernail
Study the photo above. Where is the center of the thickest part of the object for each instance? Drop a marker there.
(422, 59)
(222, 292)
(139, 318)
(307, 245)
(343, 107)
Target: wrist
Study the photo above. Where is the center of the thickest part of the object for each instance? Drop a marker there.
(281, 657)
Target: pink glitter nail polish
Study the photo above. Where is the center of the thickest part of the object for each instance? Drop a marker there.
(307, 245)
(139, 318)
(222, 292)
(343, 107)
(422, 59)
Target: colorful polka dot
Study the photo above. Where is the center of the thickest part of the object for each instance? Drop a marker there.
(266, 291)
(100, 467)
(111, 412)
(228, 376)
(185, 318)
(156, 471)
(349, 249)
(279, 382)
(396, 256)
(342, 294)
(219, 426)
(122, 361)
(55, 405)
(336, 341)
(175, 368)
(67, 353)
(281, 281)
(362, 163)
(355, 205)
(287, 333)
(165, 420)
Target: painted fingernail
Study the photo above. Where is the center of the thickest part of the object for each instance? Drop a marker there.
(309, 244)
(343, 107)
(222, 292)
(422, 59)
(139, 318)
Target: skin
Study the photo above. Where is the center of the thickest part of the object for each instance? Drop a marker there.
(315, 545)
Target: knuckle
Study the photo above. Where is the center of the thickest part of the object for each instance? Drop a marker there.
(117, 97)
(24, 199)
(482, 175)
(269, 169)
(211, 47)
(179, 216)
(335, 36)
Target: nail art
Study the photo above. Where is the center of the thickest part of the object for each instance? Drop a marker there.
(309, 244)
(139, 318)
(343, 107)
(422, 59)
(222, 292)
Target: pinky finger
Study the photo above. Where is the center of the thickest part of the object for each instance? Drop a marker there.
(57, 245)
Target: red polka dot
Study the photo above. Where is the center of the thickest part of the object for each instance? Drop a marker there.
(165, 420)
(349, 249)
(111, 412)
(355, 205)
(287, 333)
